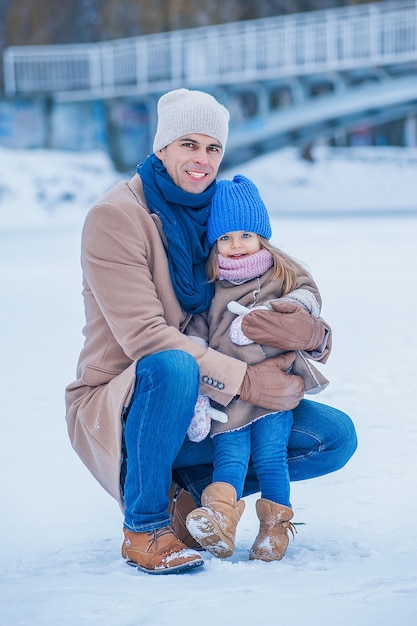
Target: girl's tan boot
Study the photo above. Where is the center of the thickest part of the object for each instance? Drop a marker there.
(214, 524)
(272, 540)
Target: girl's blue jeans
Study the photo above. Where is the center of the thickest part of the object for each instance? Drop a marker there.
(265, 443)
(156, 449)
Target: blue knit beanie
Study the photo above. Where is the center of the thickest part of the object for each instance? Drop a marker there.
(237, 205)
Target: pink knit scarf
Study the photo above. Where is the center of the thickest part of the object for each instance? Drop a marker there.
(246, 267)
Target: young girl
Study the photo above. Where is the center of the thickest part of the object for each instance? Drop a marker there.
(278, 305)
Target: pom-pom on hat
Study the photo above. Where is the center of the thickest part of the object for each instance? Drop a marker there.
(184, 111)
(237, 205)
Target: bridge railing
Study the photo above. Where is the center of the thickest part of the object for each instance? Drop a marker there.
(272, 48)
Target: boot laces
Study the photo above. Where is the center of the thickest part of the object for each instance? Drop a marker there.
(290, 526)
(160, 532)
(164, 530)
(154, 535)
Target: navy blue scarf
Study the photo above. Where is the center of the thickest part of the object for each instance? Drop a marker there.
(184, 217)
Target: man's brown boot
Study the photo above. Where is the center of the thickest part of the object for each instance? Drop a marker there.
(158, 552)
(272, 540)
(181, 502)
(214, 524)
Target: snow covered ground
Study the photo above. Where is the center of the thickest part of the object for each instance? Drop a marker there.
(352, 216)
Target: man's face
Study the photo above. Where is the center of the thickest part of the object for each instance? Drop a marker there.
(192, 161)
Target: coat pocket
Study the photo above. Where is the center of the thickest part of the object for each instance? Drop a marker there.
(95, 376)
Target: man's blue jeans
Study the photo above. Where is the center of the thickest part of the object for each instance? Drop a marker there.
(156, 448)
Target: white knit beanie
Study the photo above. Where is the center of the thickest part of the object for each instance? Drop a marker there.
(182, 112)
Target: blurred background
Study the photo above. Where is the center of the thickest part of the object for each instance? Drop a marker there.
(323, 100)
(86, 75)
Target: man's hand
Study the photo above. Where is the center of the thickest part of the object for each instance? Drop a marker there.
(268, 385)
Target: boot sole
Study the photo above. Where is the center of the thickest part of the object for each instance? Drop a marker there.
(209, 535)
(178, 569)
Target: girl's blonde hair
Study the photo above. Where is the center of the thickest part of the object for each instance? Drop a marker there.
(286, 268)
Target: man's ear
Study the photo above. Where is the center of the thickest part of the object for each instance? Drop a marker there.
(158, 154)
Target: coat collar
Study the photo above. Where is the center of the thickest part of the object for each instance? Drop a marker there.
(136, 187)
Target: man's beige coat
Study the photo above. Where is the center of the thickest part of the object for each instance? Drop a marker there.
(131, 311)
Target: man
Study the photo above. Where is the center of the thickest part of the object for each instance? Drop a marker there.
(143, 257)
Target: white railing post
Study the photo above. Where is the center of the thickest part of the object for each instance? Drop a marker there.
(331, 41)
(176, 66)
(289, 42)
(212, 68)
(107, 66)
(414, 21)
(375, 33)
(9, 66)
(141, 57)
(251, 50)
(95, 66)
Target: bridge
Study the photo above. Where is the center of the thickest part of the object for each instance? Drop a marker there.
(294, 77)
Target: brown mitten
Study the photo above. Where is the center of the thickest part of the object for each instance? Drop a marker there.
(288, 327)
(267, 384)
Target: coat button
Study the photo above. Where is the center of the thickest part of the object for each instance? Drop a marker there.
(212, 381)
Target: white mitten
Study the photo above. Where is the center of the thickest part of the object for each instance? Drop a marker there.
(306, 299)
(237, 308)
(200, 424)
(236, 333)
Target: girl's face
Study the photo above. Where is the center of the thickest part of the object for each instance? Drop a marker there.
(238, 243)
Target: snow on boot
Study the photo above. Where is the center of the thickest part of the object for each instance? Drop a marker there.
(272, 540)
(214, 524)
